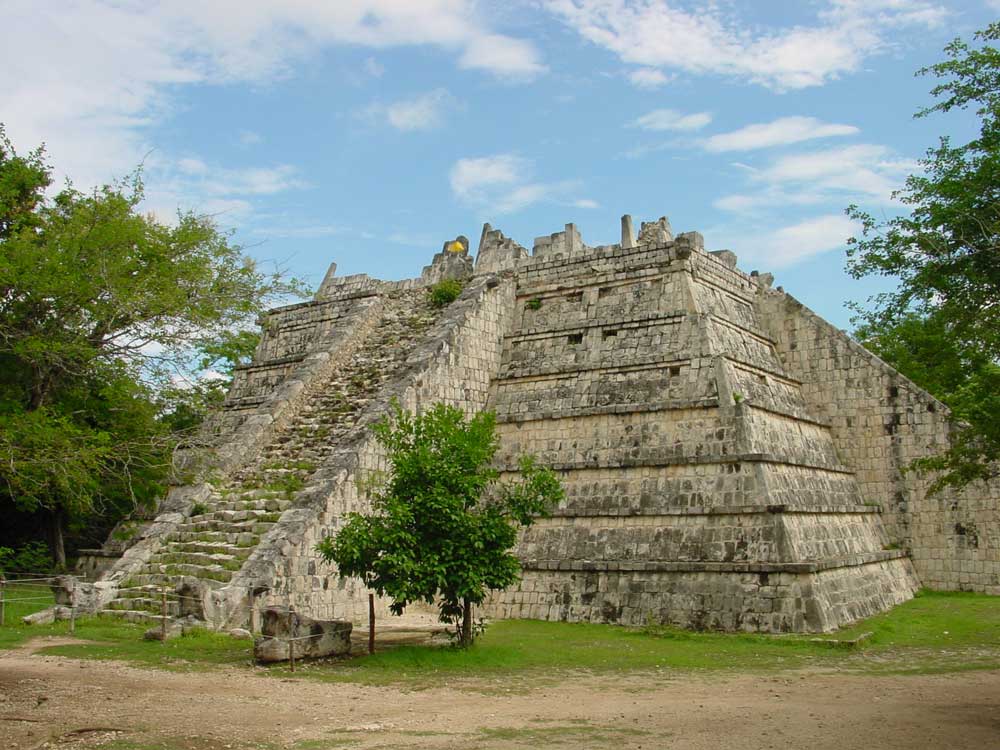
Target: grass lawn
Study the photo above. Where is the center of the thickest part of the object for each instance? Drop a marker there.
(935, 632)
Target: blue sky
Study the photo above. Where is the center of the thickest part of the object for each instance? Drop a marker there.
(367, 132)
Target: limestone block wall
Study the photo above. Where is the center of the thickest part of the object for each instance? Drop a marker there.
(454, 364)
(299, 344)
(757, 597)
(880, 422)
(693, 468)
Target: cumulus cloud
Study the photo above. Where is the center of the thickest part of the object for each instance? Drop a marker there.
(422, 112)
(659, 34)
(94, 117)
(780, 132)
(670, 119)
(503, 56)
(503, 183)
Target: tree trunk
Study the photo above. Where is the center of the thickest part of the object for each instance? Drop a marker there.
(56, 538)
(466, 623)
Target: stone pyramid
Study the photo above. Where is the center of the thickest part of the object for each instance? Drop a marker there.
(731, 461)
(700, 489)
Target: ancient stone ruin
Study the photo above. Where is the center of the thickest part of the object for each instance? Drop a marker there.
(731, 460)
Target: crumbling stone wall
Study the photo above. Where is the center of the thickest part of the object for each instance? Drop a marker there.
(880, 422)
(454, 364)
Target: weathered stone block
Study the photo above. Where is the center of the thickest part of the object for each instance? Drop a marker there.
(310, 638)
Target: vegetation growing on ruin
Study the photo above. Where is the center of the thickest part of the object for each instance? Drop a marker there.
(444, 292)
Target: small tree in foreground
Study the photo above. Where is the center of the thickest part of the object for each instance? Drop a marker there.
(442, 525)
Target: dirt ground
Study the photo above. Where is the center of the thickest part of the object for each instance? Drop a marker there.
(54, 702)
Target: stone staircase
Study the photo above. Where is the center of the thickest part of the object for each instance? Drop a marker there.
(212, 544)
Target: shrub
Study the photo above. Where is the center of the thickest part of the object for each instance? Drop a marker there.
(534, 304)
(444, 292)
(33, 557)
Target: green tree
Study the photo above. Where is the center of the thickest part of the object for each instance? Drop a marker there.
(442, 525)
(101, 304)
(185, 404)
(946, 256)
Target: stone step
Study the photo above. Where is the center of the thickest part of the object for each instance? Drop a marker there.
(150, 605)
(237, 514)
(172, 571)
(261, 504)
(230, 516)
(133, 615)
(211, 548)
(239, 527)
(175, 557)
(146, 592)
(243, 539)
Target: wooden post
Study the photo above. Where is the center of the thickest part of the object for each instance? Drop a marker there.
(72, 606)
(292, 630)
(467, 623)
(3, 584)
(163, 614)
(253, 610)
(371, 623)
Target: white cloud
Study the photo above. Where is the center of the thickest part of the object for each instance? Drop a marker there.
(780, 132)
(192, 166)
(586, 203)
(192, 185)
(649, 78)
(423, 112)
(863, 173)
(863, 170)
(805, 239)
(670, 119)
(469, 177)
(111, 69)
(502, 184)
(660, 34)
(503, 56)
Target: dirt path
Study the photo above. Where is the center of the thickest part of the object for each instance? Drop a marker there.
(54, 702)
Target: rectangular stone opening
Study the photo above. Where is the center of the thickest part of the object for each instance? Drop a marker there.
(574, 338)
(604, 291)
(609, 333)
(675, 370)
(575, 297)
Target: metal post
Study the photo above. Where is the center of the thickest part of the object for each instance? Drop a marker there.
(3, 584)
(163, 614)
(291, 654)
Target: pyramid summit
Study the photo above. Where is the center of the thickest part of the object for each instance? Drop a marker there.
(731, 461)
